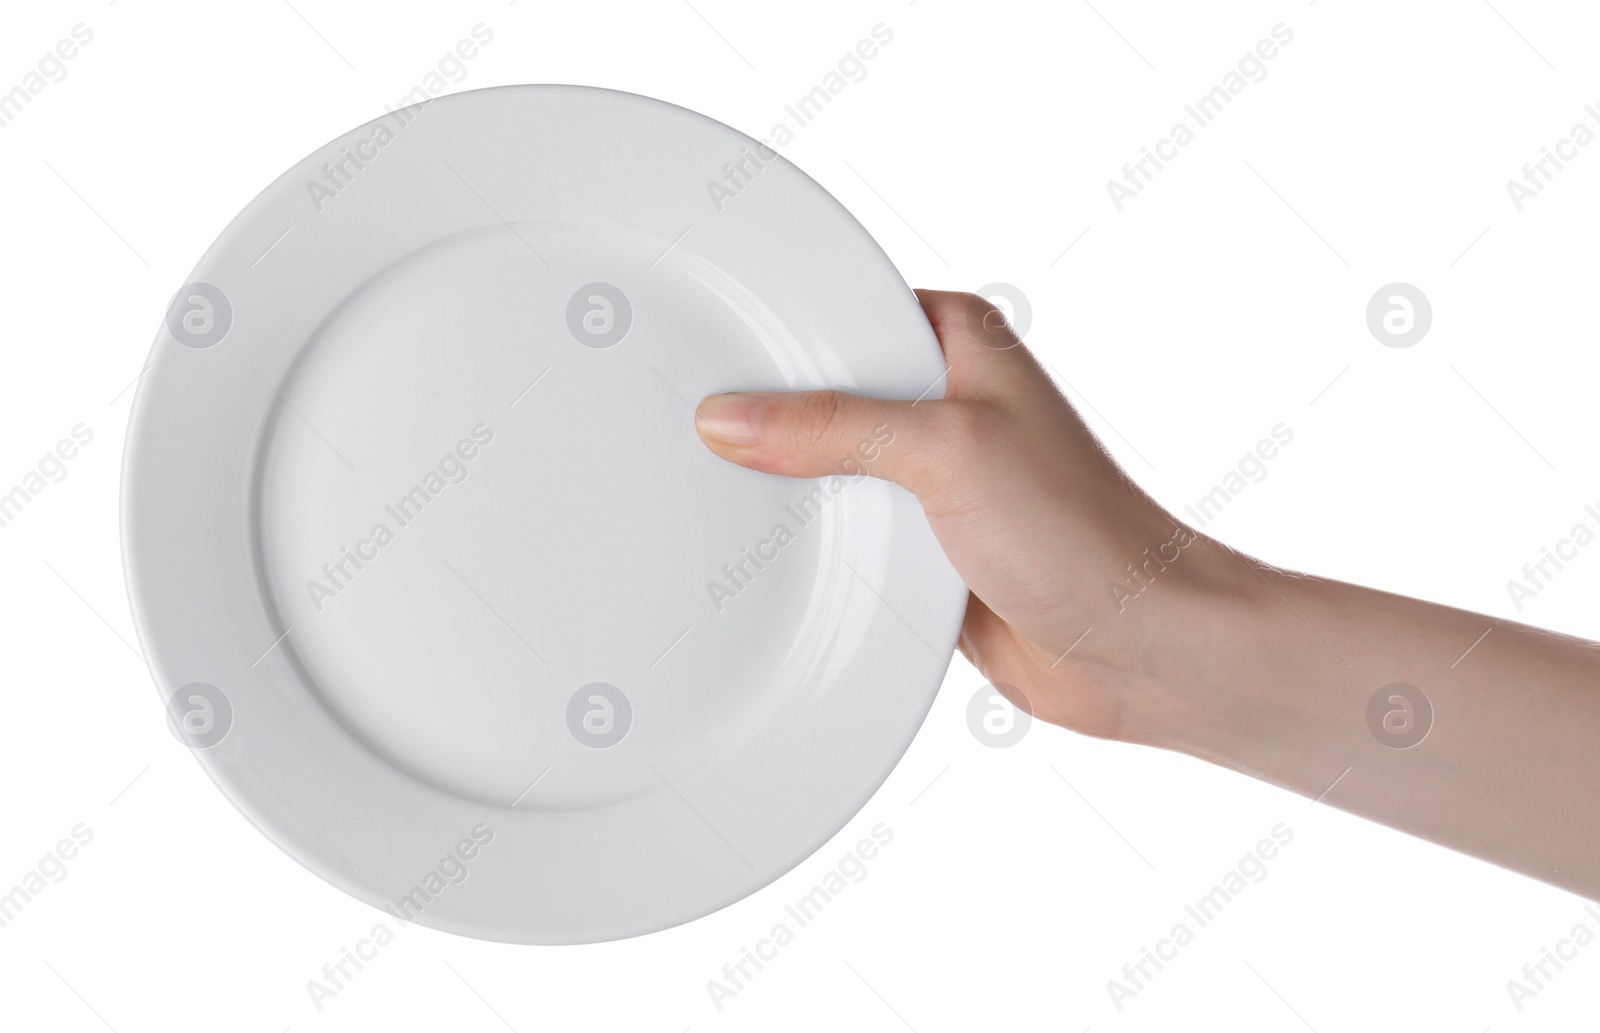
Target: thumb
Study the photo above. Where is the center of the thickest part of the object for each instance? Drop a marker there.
(821, 433)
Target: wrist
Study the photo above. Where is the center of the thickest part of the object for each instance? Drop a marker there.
(1192, 645)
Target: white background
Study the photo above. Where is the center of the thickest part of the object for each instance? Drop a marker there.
(1224, 299)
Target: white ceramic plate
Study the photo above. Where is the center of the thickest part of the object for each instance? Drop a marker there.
(420, 537)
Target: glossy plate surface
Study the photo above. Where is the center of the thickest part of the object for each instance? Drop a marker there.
(431, 568)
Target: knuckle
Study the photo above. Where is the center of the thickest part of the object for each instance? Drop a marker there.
(812, 419)
(987, 323)
(965, 310)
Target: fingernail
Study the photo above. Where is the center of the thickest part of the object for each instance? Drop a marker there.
(731, 417)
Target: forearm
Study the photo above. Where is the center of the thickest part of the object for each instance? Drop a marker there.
(1278, 682)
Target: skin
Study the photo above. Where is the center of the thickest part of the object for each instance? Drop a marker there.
(1220, 656)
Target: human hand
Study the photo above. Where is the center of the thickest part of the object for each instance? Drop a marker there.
(1031, 510)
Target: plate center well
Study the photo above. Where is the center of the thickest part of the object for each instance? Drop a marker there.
(504, 556)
